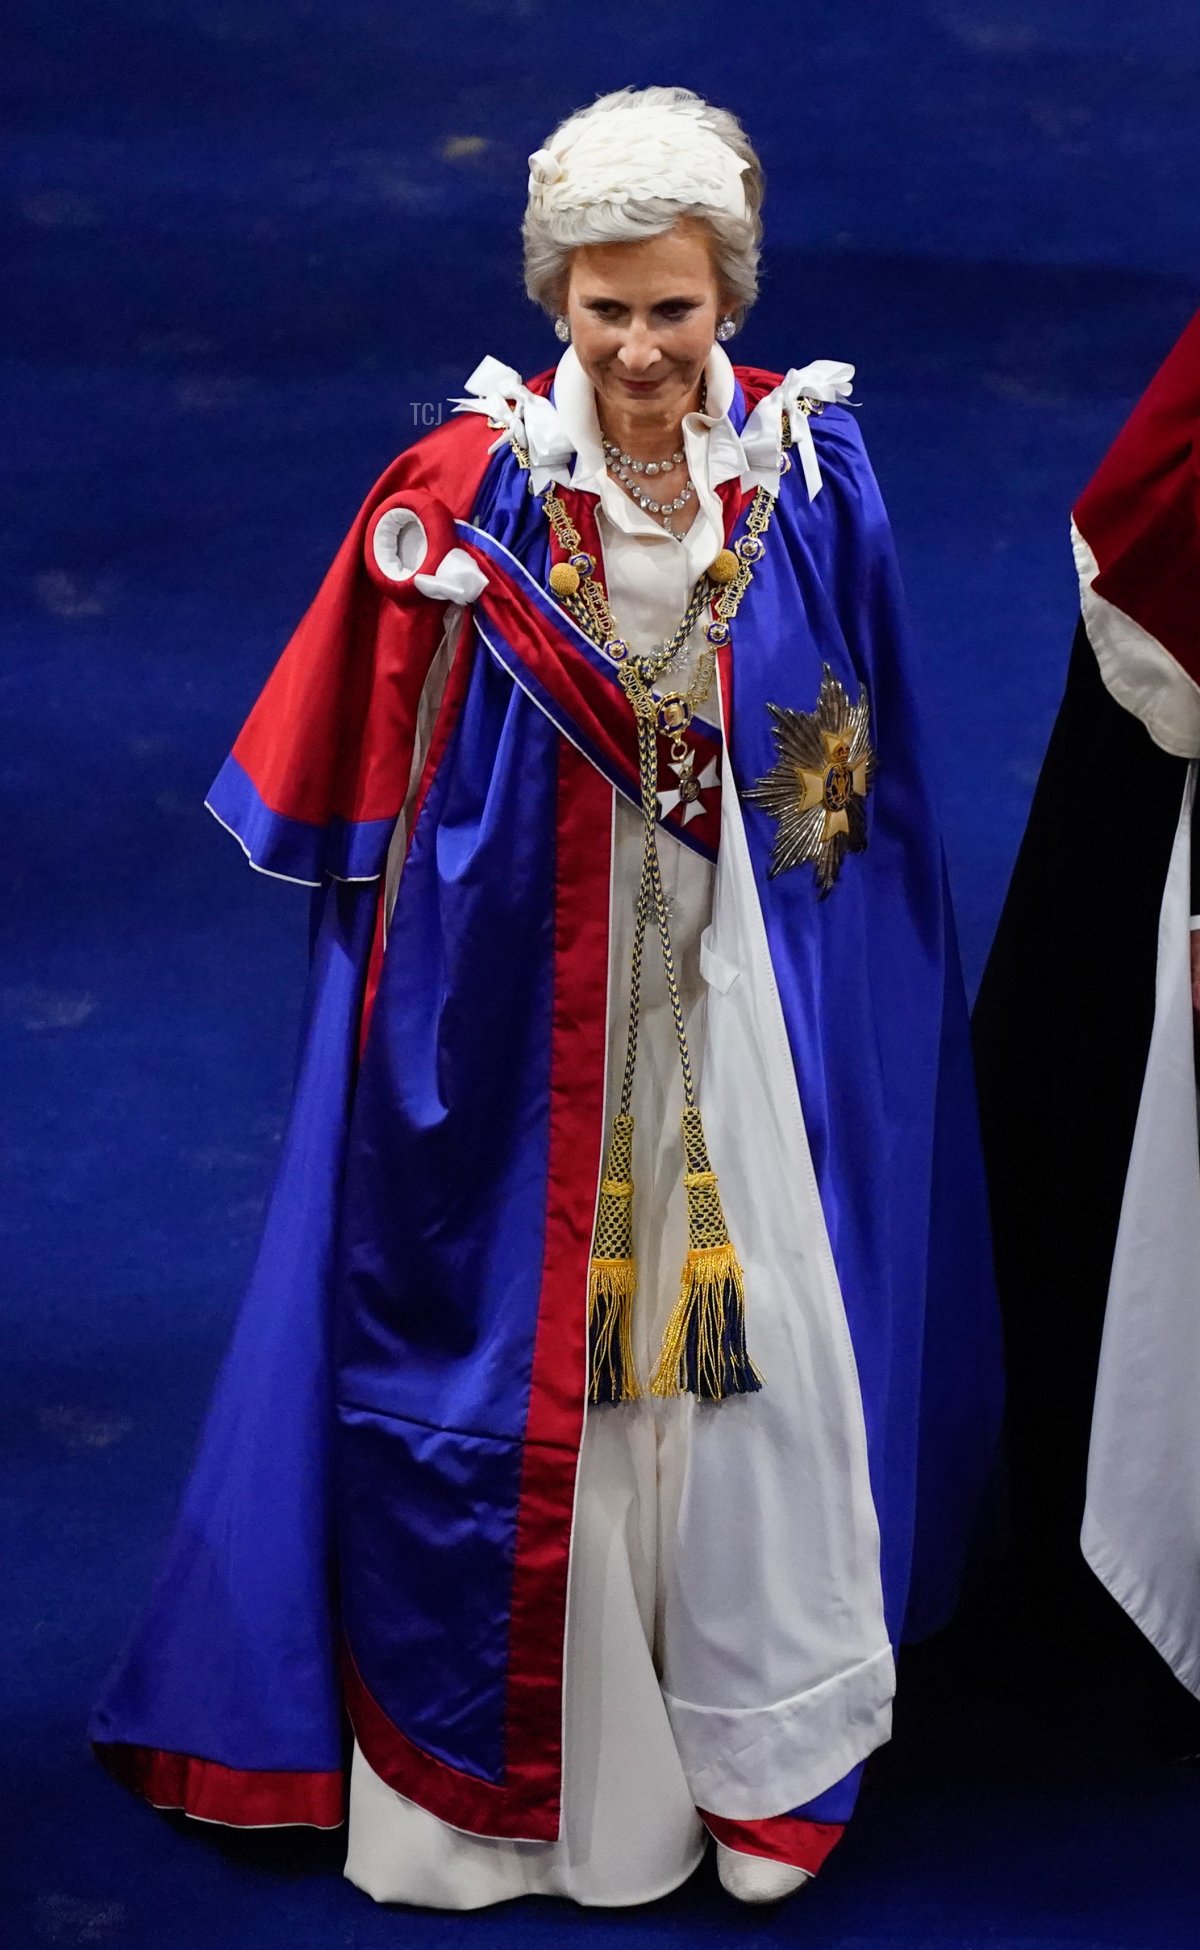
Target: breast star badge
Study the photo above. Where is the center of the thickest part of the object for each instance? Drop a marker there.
(817, 790)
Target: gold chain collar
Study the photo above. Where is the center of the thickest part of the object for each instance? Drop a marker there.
(580, 591)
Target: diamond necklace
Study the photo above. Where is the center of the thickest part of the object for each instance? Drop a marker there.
(623, 468)
(650, 467)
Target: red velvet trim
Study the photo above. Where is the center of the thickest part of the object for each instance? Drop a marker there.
(1140, 513)
(524, 1806)
(502, 1808)
(781, 1838)
(273, 1798)
(725, 685)
(733, 500)
(554, 1428)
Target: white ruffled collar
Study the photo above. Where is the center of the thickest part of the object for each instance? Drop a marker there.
(562, 434)
(713, 449)
(575, 403)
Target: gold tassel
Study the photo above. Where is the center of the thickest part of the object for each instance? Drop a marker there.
(612, 1276)
(704, 1349)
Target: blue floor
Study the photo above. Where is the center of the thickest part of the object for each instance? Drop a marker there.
(245, 243)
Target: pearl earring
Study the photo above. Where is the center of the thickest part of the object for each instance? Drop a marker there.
(562, 330)
(726, 327)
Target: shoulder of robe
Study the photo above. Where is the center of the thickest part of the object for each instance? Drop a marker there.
(448, 462)
(832, 427)
(446, 466)
(451, 459)
(406, 526)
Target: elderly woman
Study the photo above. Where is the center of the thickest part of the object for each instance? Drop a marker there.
(618, 1377)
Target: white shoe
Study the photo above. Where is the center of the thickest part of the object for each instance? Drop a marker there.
(756, 1878)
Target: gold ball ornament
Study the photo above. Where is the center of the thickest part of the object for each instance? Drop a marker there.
(564, 580)
(723, 567)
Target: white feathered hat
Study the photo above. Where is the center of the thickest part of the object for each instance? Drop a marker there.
(635, 150)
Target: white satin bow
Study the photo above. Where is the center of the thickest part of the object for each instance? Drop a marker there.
(826, 380)
(501, 393)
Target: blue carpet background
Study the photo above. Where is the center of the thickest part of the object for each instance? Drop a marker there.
(245, 244)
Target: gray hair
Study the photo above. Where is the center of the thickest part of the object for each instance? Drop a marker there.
(549, 239)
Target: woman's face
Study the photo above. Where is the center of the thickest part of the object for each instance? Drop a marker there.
(643, 317)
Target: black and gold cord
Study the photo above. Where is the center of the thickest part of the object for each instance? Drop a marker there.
(704, 1351)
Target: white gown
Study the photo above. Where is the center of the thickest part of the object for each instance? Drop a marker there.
(630, 1831)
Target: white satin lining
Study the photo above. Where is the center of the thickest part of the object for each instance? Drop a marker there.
(1141, 1528)
(1143, 677)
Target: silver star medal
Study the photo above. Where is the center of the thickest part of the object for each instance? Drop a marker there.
(817, 790)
